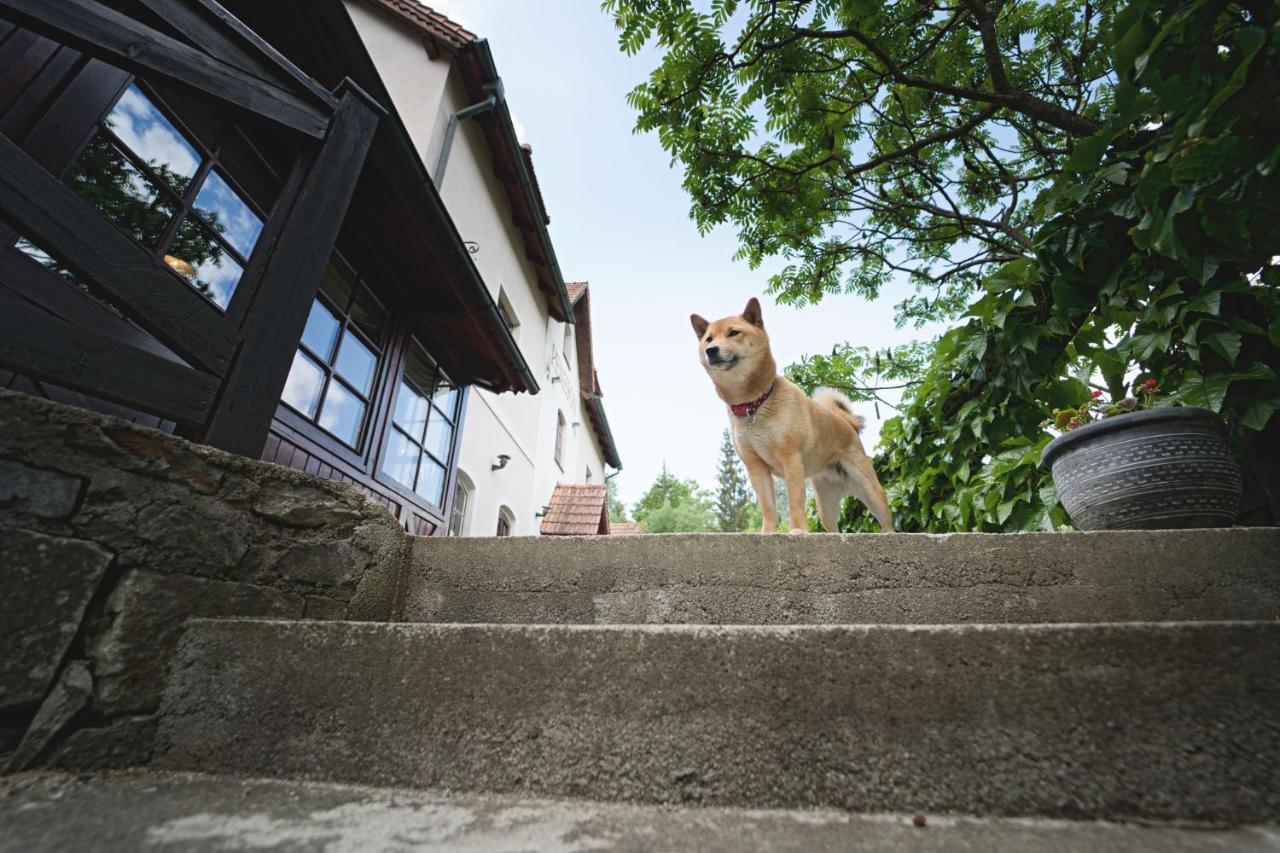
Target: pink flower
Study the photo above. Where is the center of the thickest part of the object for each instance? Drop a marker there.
(1150, 386)
(1095, 393)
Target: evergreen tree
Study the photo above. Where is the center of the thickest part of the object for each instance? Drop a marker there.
(734, 498)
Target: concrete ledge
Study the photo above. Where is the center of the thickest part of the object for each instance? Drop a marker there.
(127, 812)
(833, 579)
(1150, 721)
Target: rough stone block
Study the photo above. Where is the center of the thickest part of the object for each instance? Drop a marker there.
(296, 505)
(147, 613)
(37, 491)
(69, 697)
(121, 743)
(46, 582)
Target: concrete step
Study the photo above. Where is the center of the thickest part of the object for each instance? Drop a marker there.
(833, 579)
(1168, 721)
(126, 812)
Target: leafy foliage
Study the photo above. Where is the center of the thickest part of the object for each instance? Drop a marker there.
(672, 505)
(864, 140)
(1155, 257)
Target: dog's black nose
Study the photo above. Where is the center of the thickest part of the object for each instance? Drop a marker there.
(713, 353)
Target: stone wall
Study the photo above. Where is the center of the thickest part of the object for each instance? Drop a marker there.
(113, 535)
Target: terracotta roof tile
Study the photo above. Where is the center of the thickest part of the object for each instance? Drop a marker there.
(576, 510)
(429, 21)
(576, 289)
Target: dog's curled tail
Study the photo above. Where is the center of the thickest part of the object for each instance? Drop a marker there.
(833, 399)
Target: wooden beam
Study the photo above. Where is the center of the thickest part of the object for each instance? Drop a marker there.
(60, 221)
(214, 30)
(51, 349)
(273, 327)
(120, 40)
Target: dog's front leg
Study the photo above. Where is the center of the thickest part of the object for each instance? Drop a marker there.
(793, 476)
(762, 481)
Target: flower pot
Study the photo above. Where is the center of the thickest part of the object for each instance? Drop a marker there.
(1155, 469)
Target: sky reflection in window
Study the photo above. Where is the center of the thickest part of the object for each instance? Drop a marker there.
(225, 212)
(146, 132)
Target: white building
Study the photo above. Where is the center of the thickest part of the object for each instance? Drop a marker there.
(514, 449)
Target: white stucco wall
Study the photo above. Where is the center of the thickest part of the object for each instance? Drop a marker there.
(425, 93)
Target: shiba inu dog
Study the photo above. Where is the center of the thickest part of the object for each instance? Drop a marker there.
(779, 431)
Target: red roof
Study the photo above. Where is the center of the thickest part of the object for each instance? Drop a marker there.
(576, 510)
(430, 21)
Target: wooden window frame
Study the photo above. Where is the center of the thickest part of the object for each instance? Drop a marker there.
(377, 381)
(384, 434)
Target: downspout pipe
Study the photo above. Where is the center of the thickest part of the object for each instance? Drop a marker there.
(451, 130)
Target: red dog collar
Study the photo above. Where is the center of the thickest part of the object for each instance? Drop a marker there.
(746, 410)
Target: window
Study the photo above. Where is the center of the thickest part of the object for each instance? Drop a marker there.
(461, 497)
(507, 312)
(505, 522)
(334, 368)
(151, 177)
(560, 440)
(422, 425)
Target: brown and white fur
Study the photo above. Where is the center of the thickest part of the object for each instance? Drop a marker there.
(791, 436)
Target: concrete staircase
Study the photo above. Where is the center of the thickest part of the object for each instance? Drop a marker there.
(1115, 676)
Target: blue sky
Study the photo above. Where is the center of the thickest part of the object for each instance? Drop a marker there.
(620, 220)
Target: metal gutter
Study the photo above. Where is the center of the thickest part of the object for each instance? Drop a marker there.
(451, 131)
(489, 73)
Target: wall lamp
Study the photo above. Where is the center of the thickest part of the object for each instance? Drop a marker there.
(503, 459)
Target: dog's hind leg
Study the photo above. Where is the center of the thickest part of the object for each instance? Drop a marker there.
(862, 481)
(829, 490)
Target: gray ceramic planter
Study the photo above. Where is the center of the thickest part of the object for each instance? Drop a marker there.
(1155, 469)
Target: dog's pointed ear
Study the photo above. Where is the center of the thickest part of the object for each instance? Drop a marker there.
(752, 313)
(699, 324)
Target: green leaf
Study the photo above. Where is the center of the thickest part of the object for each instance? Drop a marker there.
(1087, 152)
(1256, 414)
(1225, 344)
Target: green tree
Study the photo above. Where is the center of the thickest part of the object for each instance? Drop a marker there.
(1105, 172)
(672, 505)
(867, 141)
(734, 498)
(1156, 259)
(617, 509)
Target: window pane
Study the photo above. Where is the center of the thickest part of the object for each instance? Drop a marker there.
(439, 436)
(401, 461)
(302, 388)
(355, 362)
(411, 411)
(368, 315)
(321, 331)
(342, 414)
(204, 262)
(146, 132)
(226, 213)
(106, 179)
(446, 397)
(431, 482)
